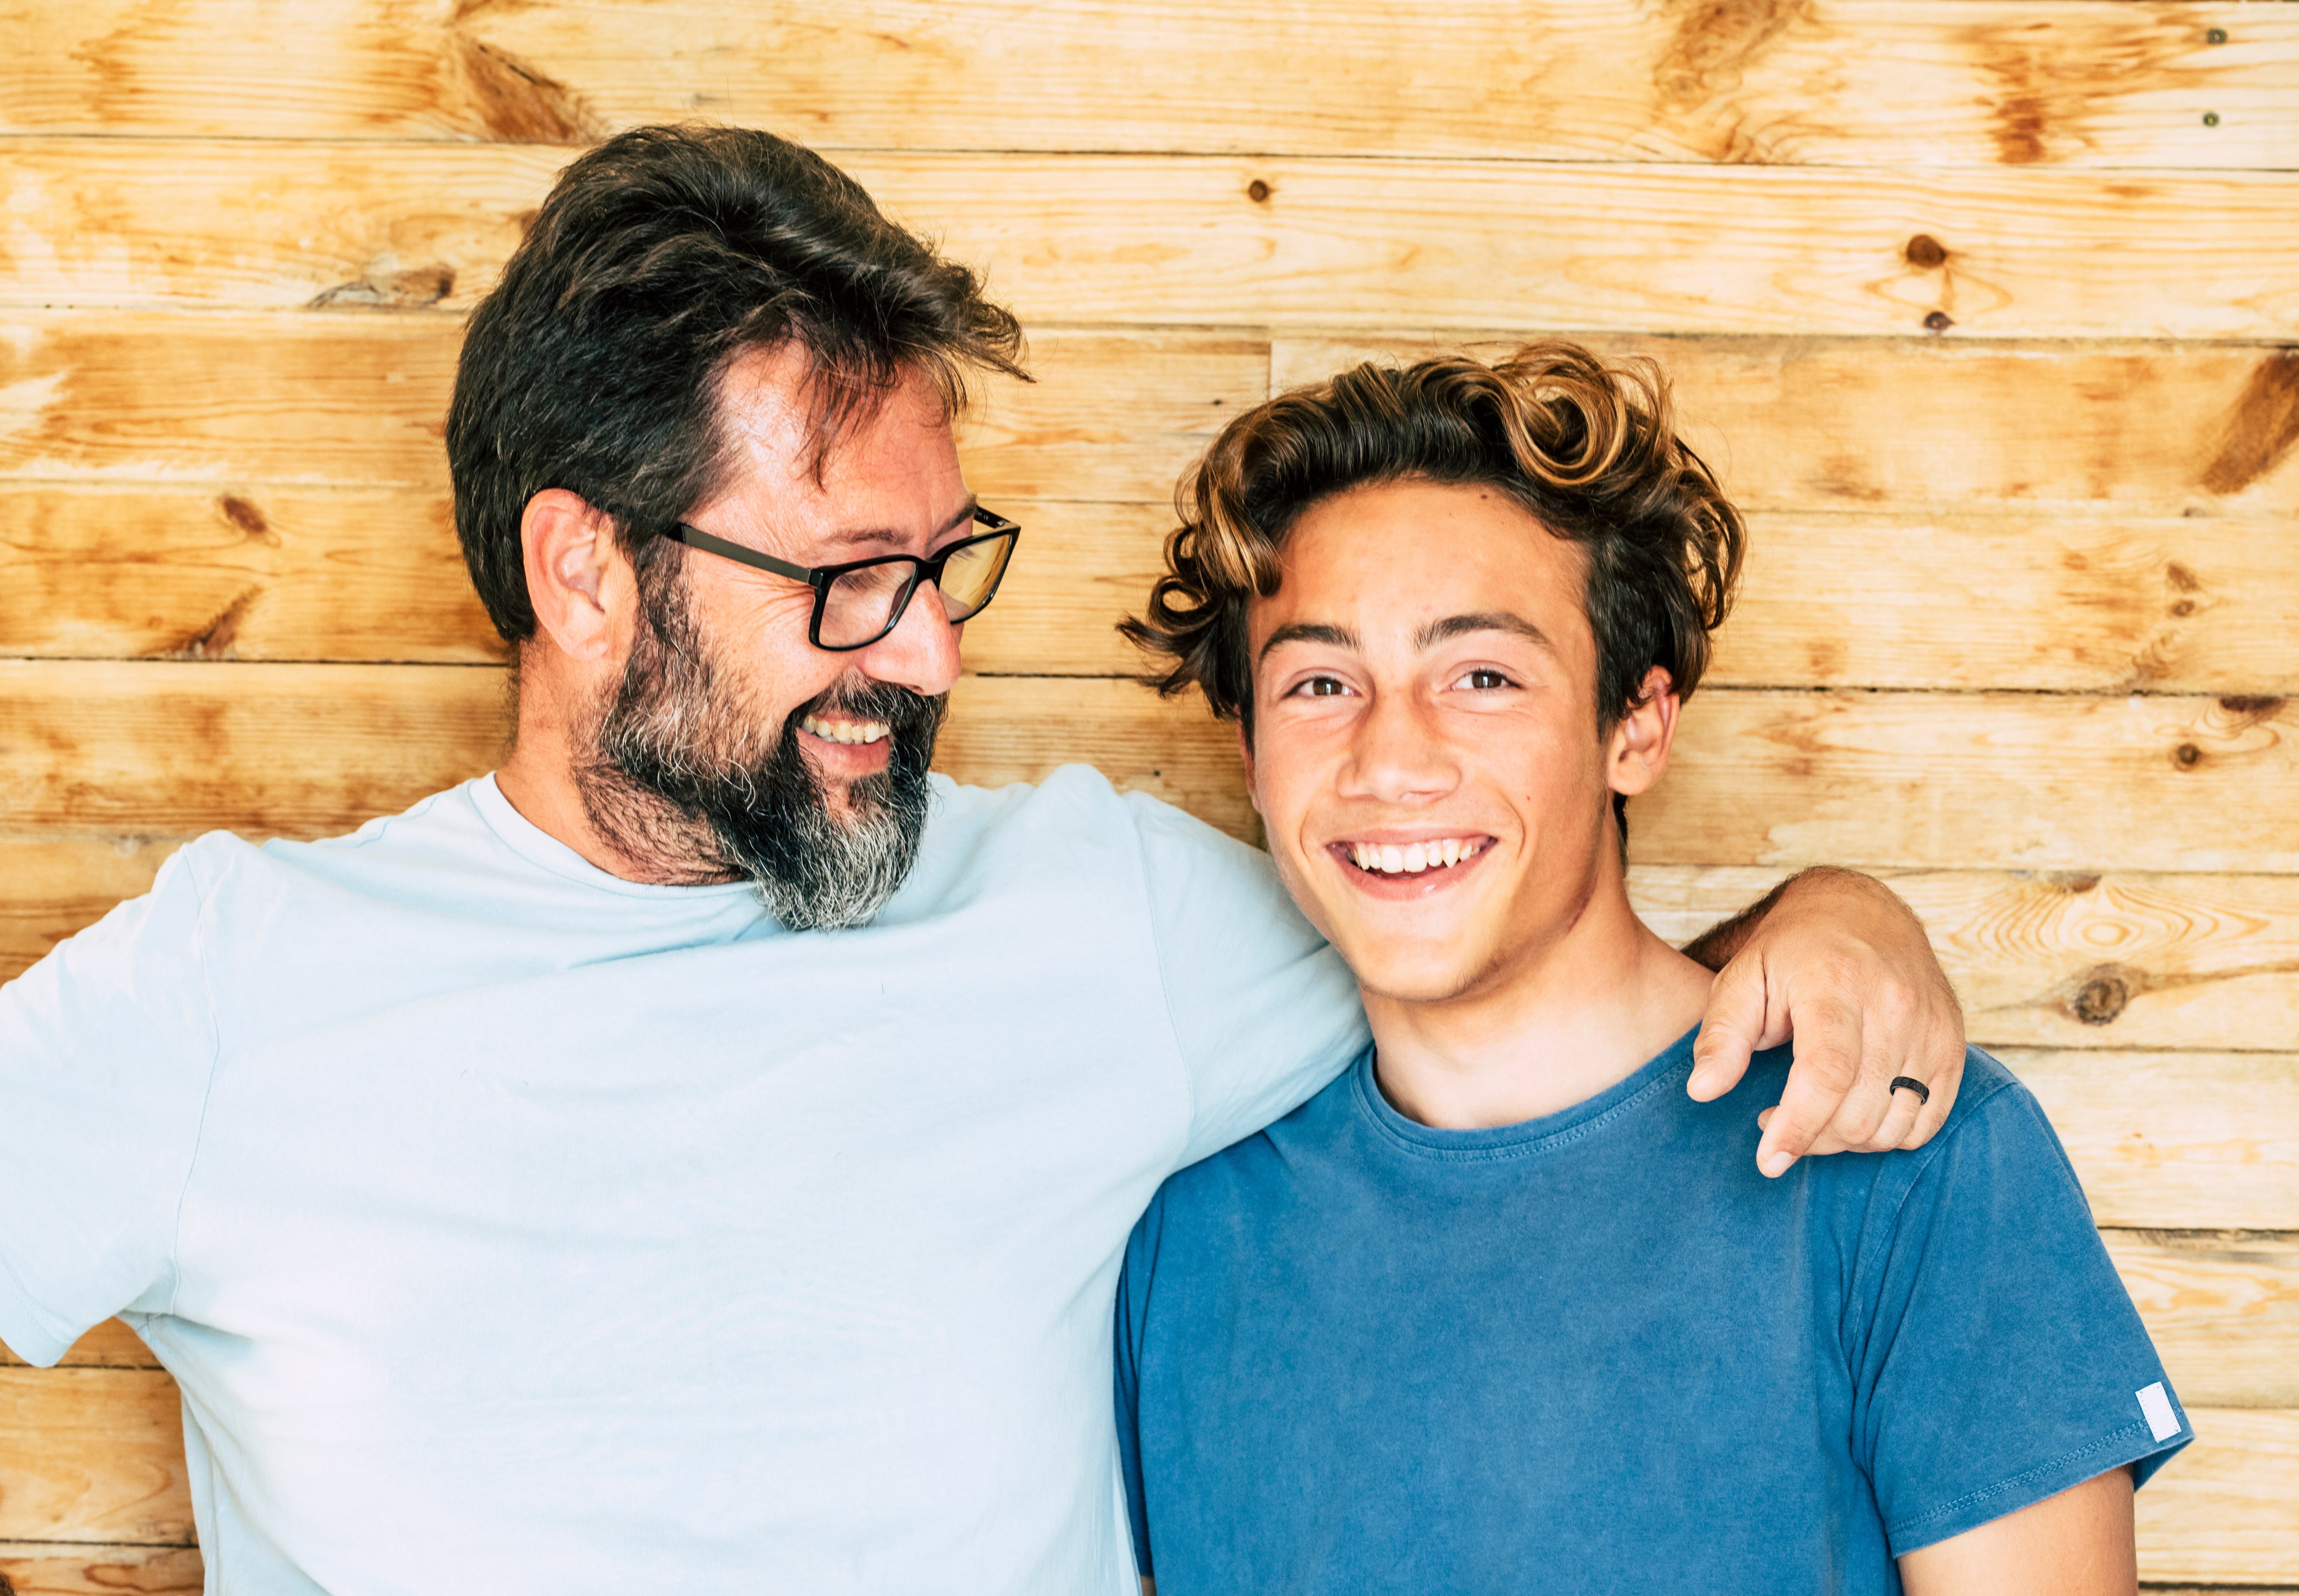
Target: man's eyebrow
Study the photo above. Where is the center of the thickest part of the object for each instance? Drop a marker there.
(1483, 620)
(1310, 632)
(895, 534)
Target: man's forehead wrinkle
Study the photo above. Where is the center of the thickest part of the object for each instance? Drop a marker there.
(1486, 621)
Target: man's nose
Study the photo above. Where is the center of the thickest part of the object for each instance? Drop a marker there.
(922, 651)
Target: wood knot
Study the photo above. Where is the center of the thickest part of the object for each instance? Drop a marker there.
(2184, 608)
(2101, 997)
(2251, 706)
(2187, 756)
(1258, 192)
(414, 290)
(247, 516)
(2075, 884)
(1926, 252)
(1938, 321)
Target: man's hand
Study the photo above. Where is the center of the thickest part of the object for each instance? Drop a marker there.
(1834, 961)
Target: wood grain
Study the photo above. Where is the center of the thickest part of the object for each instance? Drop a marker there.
(2221, 1511)
(38, 1568)
(281, 572)
(1794, 423)
(1969, 82)
(2222, 1309)
(2069, 959)
(1185, 240)
(1931, 780)
(93, 1454)
(2065, 603)
(226, 399)
(2201, 1141)
(1981, 780)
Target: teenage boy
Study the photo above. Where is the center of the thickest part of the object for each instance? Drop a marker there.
(1503, 1309)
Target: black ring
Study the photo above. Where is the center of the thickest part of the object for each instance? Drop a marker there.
(1923, 1093)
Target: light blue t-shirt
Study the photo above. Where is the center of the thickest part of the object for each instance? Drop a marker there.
(1598, 1353)
(512, 1226)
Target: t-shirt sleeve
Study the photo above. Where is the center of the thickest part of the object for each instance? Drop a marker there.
(1263, 1013)
(106, 1047)
(1999, 1359)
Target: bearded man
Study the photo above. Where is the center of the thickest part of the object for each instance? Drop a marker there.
(699, 1154)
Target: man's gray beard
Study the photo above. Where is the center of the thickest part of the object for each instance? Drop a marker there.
(683, 774)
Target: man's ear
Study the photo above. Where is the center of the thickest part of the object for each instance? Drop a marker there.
(576, 577)
(1637, 753)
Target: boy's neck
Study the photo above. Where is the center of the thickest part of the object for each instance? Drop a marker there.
(1568, 1022)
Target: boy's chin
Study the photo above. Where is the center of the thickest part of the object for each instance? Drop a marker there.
(1411, 976)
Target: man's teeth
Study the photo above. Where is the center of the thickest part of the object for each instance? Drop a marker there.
(844, 731)
(1413, 858)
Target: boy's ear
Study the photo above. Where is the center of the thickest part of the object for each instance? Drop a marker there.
(1637, 753)
(1245, 753)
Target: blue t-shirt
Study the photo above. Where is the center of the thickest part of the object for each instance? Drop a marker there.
(1598, 1352)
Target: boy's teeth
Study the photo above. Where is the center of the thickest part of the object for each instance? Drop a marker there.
(1388, 858)
(844, 731)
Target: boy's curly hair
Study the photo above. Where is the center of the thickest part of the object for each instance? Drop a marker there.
(1589, 448)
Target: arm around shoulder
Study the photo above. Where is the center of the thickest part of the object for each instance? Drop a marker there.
(1833, 961)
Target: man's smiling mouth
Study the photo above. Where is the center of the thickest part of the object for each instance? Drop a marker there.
(844, 731)
(1414, 859)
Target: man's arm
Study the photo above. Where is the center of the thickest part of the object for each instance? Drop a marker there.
(2077, 1543)
(1835, 962)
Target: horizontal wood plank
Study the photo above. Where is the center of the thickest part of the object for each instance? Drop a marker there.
(2186, 430)
(93, 1454)
(228, 400)
(2222, 1309)
(38, 1568)
(1244, 241)
(2067, 959)
(2221, 1511)
(2202, 1141)
(1791, 423)
(1946, 82)
(1978, 779)
(1935, 780)
(2066, 602)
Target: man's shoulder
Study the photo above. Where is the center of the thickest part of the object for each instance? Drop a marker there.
(1276, 1166)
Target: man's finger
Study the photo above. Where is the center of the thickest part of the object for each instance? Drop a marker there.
(1826, 1067)
(1899, 1120)
(1731, 1029)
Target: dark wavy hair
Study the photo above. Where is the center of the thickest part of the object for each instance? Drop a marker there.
(1589, 449)
(595, 364)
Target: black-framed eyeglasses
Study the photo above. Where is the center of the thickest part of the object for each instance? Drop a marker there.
(859, 603)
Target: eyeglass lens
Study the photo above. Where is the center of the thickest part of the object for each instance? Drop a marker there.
(864, 606)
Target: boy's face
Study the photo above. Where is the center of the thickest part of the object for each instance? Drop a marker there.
(1425, 755)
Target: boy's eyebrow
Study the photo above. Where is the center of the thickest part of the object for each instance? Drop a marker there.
(1484, 620)
(1310, 632)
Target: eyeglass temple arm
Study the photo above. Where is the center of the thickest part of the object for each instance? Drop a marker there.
(695, 537)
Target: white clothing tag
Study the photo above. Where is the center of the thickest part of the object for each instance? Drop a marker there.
(2162, 1422)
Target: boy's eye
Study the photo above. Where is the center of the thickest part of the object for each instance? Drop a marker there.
(1321, 686)
(1483, 681)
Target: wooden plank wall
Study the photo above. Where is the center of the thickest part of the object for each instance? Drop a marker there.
(1986, 309)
